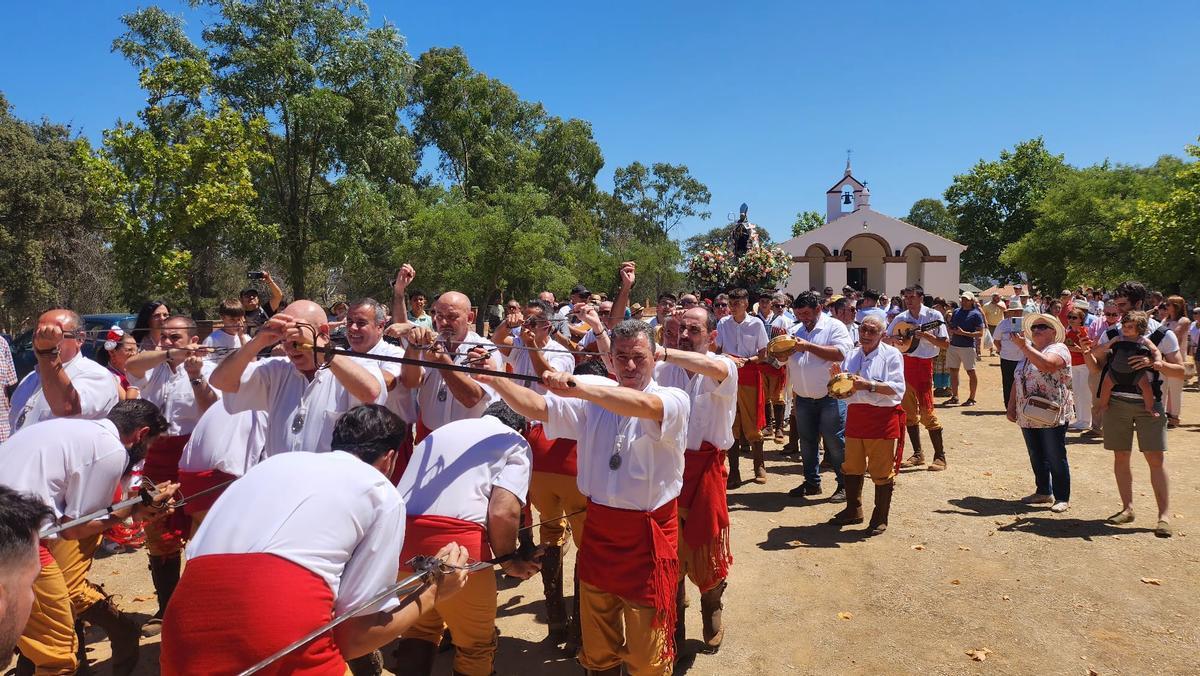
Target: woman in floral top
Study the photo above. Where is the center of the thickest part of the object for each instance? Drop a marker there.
(1044, 371)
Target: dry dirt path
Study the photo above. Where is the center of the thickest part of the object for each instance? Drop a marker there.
(962, 567)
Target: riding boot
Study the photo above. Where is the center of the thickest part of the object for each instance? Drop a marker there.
(853, 512)
(760, 464)
(769, 416)
(883, 505)
(414, 657)
(122, 633)
(552, 585)
(914, 438)
(574, 629)
(164, 573)
(370, 664)
(710, 615)
(779, 418)
(24, 666)
(680, 625)
(84, 669)
(939, 451)
(735, 472)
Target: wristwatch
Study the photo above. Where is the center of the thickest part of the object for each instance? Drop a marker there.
(872, 387)
(197, 381)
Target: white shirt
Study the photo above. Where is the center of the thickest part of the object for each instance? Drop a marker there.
(671, 375)
(437, 404)
(1168, 345)
(220, 339)
(778, 325)
(714, 405)
(330, 513)
(556, 357)
(863, 313)
(1003, 335)
(651, 469)
(926, 349)
(741, 340)
(229, 442)
(171, 391)
(808, 373)
(885, 364)
(95, 384)
(400, 400)
(453, 470)
(73, 466)
(300, 413)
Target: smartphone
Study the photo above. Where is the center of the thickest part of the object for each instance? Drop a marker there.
(256, 275)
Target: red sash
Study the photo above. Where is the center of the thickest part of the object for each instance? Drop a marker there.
(194, 482)
(918, 374)
(403, 455)
(750, 376)
(422, 431)
(634, 555)
(162, 464)
(425, 534)
(864, 421)
(232, 610)
(556, 456)
(44, 556)
(706, 528)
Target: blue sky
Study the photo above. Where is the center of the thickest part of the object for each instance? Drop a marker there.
(760, 100)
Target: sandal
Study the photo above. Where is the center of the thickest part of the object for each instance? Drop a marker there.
(951, 401)
(969, 402)
(1123, 516)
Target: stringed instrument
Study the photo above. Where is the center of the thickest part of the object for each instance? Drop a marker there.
(905, 335)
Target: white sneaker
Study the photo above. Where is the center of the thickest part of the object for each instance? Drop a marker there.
(1059, 507)
(1037, 499)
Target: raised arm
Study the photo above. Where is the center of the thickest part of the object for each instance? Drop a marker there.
(624, 401)
(404, 277)
(628, 274)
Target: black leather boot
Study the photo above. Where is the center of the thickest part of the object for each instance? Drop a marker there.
(735, 472)
(883, 505)
(370, 664)
(122, 633)
(853, 512)
(414, 657)
(914, 439)
(164, 573)
(939, 451)
(552, 585)
(710, 614)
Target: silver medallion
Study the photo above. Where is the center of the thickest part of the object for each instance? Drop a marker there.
(614, 461)
(21, 419)
(297, 423)
(441, 394)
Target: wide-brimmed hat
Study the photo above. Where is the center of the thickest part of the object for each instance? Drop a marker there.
(1041, 317)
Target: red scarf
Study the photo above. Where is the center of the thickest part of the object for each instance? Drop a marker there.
(918, 374)
(194, 482)
(232, 610)
(865, 421)
(162, 464)
(556, 456)
(634, 555)
(425, 534)
(706, 527)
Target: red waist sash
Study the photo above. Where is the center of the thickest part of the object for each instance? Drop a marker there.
(232, 610)
(422, 430)
(44, 556)
(403, 455)
(556, 456)
(162, 464)
(706, 527)
(425, 534)
(918, 374)
(191, 483)
(633, 554)
(748, 375)
(864, 421)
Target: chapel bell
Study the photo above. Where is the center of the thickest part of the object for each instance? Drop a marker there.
(846, 198)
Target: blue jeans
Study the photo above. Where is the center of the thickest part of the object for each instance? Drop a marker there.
(1048, 457)
(821, 420)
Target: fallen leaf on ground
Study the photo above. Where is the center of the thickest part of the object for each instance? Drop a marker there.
(987, 473)
(955, 582)
(139, 599)
(844, 616)
(964, 548)
(1093, 672)
(1116, 537)
(1152, 580)
(918, 547)
(772, 520)
(1005, 598)
(979, 654)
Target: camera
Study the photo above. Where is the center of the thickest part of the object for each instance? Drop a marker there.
(256, 275)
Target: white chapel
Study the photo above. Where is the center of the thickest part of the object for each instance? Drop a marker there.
(865, 249)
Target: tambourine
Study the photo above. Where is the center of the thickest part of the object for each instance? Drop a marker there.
(841, 386)
(781, 346)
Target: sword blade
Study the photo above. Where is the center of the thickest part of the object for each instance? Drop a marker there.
(98, 514)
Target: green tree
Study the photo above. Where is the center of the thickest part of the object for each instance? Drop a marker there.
(805, 221)
(995, 204)
(1166, 230)
(931, 214)
(663, 194)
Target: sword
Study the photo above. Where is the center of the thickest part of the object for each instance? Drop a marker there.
(147, 496)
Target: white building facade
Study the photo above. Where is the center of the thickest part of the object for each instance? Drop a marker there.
(864, 249)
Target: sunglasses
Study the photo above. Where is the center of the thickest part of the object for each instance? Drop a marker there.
(1041, 327)
(720, 304)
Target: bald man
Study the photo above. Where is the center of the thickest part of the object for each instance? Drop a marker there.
(65, 384)
(446, 396)
(302, 401)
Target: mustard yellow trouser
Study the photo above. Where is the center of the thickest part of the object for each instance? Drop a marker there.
(914, 412)
(554, 495)
(692, 564)
(745, 423)
(876, 457)
(773, 387)
(471, 616)
(616, 631)
(74, 559)
(61, 592)
(157, 541)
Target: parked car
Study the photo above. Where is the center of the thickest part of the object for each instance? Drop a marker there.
(22, 345)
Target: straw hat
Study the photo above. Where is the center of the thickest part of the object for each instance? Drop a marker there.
(1041, 317)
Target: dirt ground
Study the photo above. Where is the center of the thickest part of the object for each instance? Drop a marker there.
(963, 567)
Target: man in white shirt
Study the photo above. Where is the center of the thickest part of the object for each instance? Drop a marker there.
(874, 425)
(302, 402)
(528, 348)
(74, 467)
(918, 372)
(445, 396)
(466, 483)
(743, 338)
(631, 457)
(223, 446)
(301, 538)
(704, 548)
(175, 378)
(65, 384)
(821, 340)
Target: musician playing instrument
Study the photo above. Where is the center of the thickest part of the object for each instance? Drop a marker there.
(918, 372)
(874, 422)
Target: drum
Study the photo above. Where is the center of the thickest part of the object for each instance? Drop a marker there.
(781, 347)
(841, 386)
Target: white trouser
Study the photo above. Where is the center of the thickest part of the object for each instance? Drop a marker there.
(1173, 391)
(1083, 397)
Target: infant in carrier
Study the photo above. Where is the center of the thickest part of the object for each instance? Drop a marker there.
(1132, 343)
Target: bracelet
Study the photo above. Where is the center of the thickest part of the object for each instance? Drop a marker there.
(52, 352)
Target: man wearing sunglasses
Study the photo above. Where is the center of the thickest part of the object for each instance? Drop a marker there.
(65, 384)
